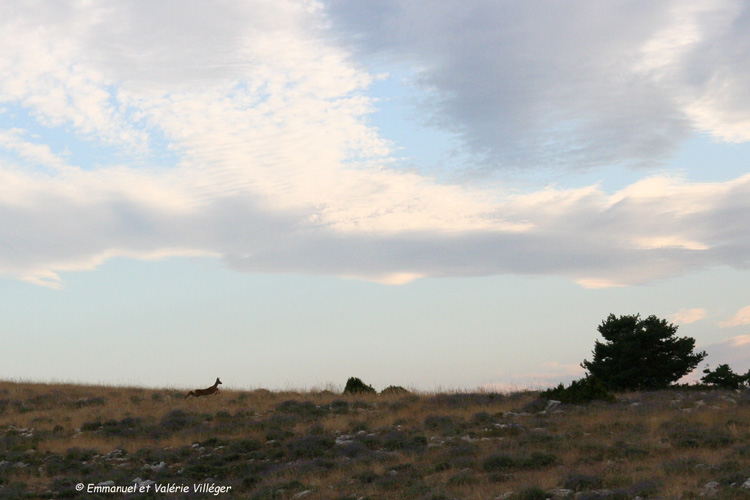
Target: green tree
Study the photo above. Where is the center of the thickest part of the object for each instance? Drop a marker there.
(724, 378)
(641, 354)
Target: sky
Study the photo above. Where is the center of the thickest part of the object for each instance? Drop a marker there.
(437, 195)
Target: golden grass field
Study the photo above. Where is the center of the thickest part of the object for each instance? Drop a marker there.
(675, 444)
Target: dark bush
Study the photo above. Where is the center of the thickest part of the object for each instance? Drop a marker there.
(697, 435)
(394, 389)
(646, 488)
(439, 423)
(499, 462)
(462, 478)
(582, 482)
(97, 401)
(532, 493)
(503, 461)
(14, 491)
(91, 426)
(304, 409)
(339, 407)
(176, 420)
(311, 446)
(245, 445)
(466, 399)
(482, 418)
(355, 449)
(277, 491)
(580, 391)
(355, 386)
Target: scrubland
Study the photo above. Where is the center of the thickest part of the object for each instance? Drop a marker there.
(674, 444)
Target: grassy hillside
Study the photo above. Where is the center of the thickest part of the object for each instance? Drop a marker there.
(280, 445)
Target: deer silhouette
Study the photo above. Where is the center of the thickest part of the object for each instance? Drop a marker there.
(205, 392)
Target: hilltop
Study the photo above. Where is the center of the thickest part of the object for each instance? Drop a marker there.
(113, 441)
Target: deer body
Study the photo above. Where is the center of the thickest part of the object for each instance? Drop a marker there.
(205, 392)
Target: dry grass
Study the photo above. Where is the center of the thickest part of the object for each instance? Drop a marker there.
(270, 445)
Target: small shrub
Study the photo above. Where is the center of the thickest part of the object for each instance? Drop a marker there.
(15, 491)
(538, 460)
(682, 465)
(355, 386)
(439, 423)
(85, 402)
(532, 493)
(582, 482)
(499, 462)
(621, 449)
(311, 446)
(278, 491)
(245, 445)
(394, 389)
(580, 391)
(91, 426)
(355, 449)
(503, 462)
(466, 399)
(463, 478)
(646, 488)
(176, 420)
(304, 409)
(697, 435)
(339, 407)
(482, 418)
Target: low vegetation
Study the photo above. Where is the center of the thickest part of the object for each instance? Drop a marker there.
(669, 444)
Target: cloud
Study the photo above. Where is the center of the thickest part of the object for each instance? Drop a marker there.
(742, 317)
(687, 316)
(575, 85)
(274, 168)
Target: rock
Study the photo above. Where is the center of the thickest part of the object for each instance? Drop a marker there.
(141, 483)
(560, 493)
(157, 467)
(552, 404)
(746, 485)
(344, 440)
(710, 490)
(303, 493)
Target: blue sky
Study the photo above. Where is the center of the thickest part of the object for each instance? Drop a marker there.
(429, 194)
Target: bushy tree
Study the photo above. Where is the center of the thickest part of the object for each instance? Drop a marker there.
(641, 354)
(355, 386)
(724, 378)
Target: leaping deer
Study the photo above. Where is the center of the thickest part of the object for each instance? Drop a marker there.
(205, 392)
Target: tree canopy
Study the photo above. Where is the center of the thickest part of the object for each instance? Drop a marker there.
(641, 354)
(724, 378)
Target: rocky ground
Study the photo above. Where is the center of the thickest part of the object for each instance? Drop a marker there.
(89, 442)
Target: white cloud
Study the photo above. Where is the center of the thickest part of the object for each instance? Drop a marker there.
(578, 85)
(742, 317)
(687, 316)
(276, 168)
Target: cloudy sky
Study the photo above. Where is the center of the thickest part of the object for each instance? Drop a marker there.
(429, 194)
